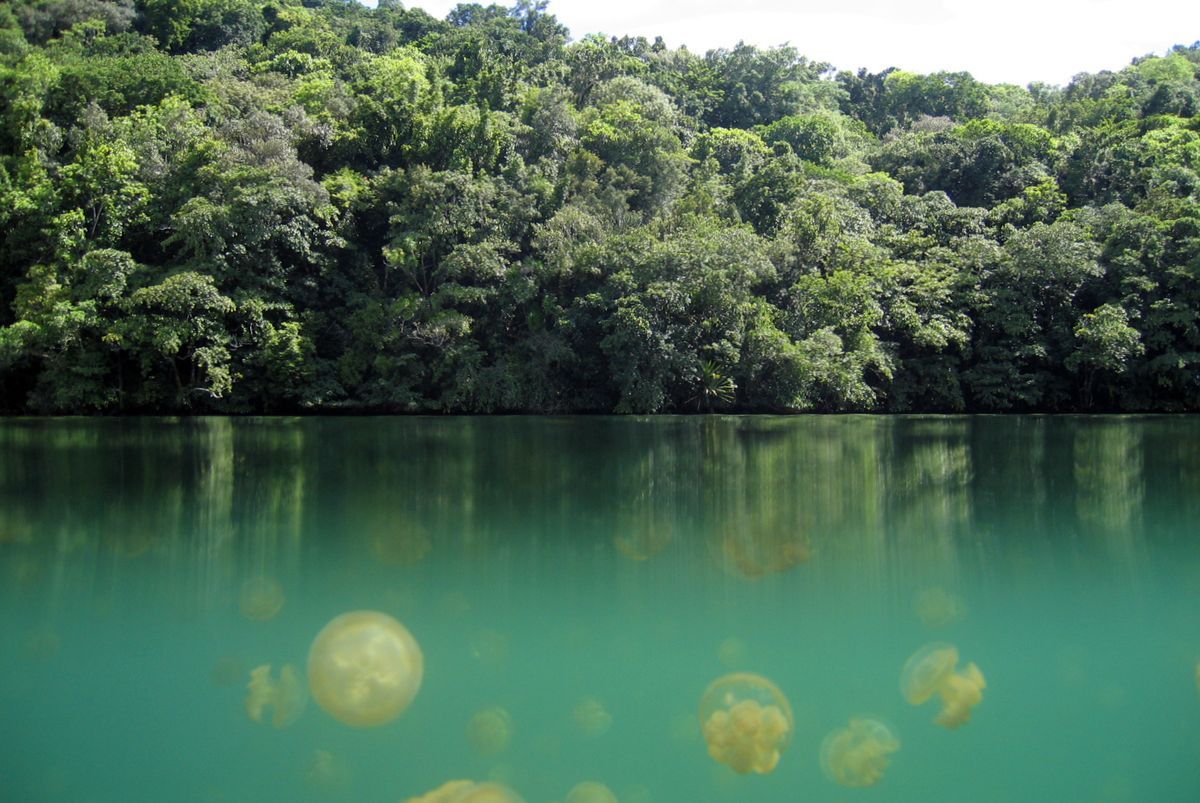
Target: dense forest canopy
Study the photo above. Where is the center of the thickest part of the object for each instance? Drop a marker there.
(248, 206)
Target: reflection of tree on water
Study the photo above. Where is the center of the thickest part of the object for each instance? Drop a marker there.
(1109, 483)
(218, 501)
(758, 515)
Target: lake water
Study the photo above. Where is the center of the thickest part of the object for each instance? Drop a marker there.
(592, 576)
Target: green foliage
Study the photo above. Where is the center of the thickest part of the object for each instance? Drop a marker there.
(241, 206)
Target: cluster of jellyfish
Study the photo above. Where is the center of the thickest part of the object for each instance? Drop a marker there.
(365, 668)
(747, 721)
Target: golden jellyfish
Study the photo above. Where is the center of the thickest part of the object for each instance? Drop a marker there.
(755, 556)
(490, 648)
(857, 755)
(746, 721)
(637, 794)
(326, 772)
(932, 670)
(286, 696)
(732, 652)
(591, 718)
(590, 792)
(228, 670)
(644, 540)
(261, 598)
(937, 607)
(490, 731)
(468, 792)
(364, 668)
(406, 545)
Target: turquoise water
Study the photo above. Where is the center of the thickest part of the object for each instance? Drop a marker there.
(542, 562)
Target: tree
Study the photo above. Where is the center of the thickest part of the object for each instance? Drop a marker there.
(1106, 342)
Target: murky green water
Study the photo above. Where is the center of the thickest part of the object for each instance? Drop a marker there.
(542, 563)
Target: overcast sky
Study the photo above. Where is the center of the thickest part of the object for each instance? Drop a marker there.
(1016, 41)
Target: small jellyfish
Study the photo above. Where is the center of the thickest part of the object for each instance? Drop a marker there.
(644, 540)
(364, 668)
(931, 670)
(135, 543)
(1198, 676)
(490, 648)
(937, 607)
(591, 718)
(261, 598)
(406, 545)
(468, 792)
(590, 792)
(637, 794)
(753, 556)
(732, 652)
(326, 773)
(490, 731)
(746, 721)
(228, 670)
(858, 755)
(286, 696)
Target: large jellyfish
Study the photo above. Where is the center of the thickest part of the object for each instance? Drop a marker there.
(591, 718)
(364, 668)
(746, 721)
(590, 792)
(931, 670)
(261, 598)
(468, 792)
(490, 731)
(286, 696)
(857, 755)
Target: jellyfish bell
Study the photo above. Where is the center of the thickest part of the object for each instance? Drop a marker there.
(591, 718)
(937, 607)
(590, 792)
(261, 598)
(286, 697)
(490, 731)
(364, 668)
(933, 670)
(746, 721)
(925, 671)
(468, 792)
(857, 755)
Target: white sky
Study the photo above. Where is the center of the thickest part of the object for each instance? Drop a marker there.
(1015, 41)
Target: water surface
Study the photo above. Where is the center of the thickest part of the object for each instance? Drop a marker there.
(542, 562)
